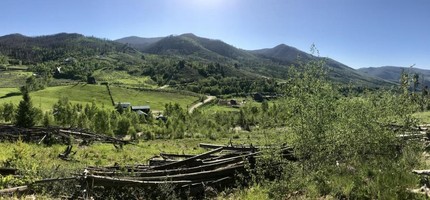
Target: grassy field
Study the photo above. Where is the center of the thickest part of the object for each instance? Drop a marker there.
(156, 100)
(5, 92)
(84, 93)
(123, 78)
(78, 93)
(14, 78)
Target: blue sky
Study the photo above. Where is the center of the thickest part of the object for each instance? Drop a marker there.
(358, 33)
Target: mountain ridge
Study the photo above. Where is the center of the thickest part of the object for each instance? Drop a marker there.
(269, 62)
(393, 73)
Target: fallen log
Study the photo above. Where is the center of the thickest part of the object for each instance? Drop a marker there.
(231, 148)
(241, 157)
(421, 172)
(171, 155)
(160, 161)
(25, 187)
(14, 189)
(241, 148)
(188, 160)
(111, 181)
(149, 173)
(407, 136)
(228, 171)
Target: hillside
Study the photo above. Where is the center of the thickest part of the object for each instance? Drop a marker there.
(138, 43)
(282, 53)
(32, 50)
(193, 62)
(269, 62)
(392, 74)
(339, 72)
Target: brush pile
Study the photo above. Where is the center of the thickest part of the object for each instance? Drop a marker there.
(192, 174)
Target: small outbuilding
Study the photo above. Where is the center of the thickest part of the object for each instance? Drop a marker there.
(124, 105)
(144, 109)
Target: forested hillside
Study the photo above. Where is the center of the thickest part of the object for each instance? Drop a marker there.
(270, 62)
(186, 62)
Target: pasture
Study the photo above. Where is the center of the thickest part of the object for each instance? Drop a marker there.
(85, 93)
(13, 78)
(123, 78)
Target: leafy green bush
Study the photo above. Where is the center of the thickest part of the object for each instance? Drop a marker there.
(345, 151)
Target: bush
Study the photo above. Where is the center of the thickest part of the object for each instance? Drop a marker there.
(344, 149)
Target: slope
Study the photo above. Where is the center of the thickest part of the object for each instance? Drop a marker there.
(139, 43)
(391, 73)
(287, 55)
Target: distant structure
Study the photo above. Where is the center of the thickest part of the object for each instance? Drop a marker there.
(260, 97)
(124, 105)
(141, 109)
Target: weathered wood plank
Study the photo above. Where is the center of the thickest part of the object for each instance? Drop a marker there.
(227, 171)
(421, 172)
(111, 181)
(188, 160)
(149, 173)
(14, 189)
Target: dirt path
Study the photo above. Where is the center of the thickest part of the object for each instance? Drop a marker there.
(207, 100)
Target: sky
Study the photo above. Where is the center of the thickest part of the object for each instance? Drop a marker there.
(358, 33)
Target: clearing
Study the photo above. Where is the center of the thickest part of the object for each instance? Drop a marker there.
(84, 93)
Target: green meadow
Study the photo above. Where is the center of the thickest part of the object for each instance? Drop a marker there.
(84, 93)
(13, 78)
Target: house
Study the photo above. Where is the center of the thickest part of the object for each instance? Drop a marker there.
(144, 109)
(124, 105)
(260, 97)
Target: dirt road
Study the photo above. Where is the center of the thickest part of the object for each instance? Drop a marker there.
(207, 100)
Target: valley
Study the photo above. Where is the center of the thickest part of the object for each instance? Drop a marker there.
(107, 111)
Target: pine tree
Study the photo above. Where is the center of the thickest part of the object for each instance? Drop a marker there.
(26, 114)
(47, 119)
(8, 111)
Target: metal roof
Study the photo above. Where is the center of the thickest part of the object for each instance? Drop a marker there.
(140, 107)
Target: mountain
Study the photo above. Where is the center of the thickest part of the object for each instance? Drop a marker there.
(282, 53)
(180, 59)
(138, 43)
(339, 72)
(268, 62)
(187, 45)
(392, 74)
